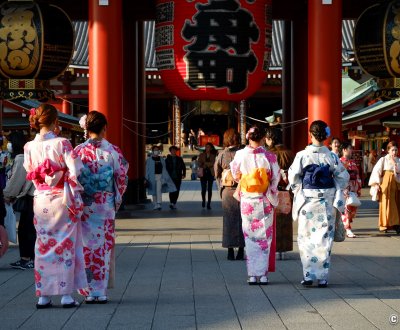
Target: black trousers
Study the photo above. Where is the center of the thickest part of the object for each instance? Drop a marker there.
(27, 231)
(173, 196)
(206, 185)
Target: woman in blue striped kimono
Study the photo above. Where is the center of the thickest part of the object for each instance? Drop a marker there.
(318, 179)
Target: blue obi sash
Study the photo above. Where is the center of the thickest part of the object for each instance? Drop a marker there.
(102, 181)
(317, 177)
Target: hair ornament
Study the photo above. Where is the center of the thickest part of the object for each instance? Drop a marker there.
(327, 131)
(83, 125)
(251, 130)
(32, 111)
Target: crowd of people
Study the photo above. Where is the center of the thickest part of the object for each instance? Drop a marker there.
(264, 187)
(67, 228)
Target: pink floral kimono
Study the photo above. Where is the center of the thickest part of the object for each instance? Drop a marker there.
(53, 166)
(105, 180)
(258, 197)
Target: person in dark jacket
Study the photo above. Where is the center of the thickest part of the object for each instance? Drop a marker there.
(3, 232)
(177, 171)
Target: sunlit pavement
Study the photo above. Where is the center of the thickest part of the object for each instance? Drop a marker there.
(172, 273)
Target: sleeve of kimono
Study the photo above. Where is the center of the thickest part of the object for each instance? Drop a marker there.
(340, 175)
(235, 166)
(377, 172)
(121, 167)
(272, 192)
(295, 171)
(73, 163)
(27, 159)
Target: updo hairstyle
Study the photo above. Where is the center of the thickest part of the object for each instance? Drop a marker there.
(255, 134)
(95, 122)
(318, 130)
(45, 115)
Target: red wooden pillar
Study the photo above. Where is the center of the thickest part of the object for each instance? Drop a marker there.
(286, 83)
(299, 55)
(105, 68)
(324, 63)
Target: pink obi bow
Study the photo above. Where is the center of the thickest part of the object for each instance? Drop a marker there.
(49, 175)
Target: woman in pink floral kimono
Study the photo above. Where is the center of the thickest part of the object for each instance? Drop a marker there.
(104, 178)
(258, 172)
(53, 166)
(355, 185)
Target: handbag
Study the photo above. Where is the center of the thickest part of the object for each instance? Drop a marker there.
(340, 232)
(352, 200)
(227, 178)
(200, 172)
(20, 204)
(285, 203)
(10, 222)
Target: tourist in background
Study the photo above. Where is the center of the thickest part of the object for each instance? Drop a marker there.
(257, 172)
(192, 139)
(177, 171)
(3, 231)
(284, 222)
(157, 177)
(4, 162)
(232, 233)
(104, 179)
(365, 168)
(335, 146)
(317, 178)
(18, 187)
(53, 166)
(385, 177)
(353, 186)
(194, 166)
(206, 166)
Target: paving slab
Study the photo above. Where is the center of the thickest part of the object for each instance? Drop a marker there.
(172, 273)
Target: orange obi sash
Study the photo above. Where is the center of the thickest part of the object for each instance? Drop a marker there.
(255, 182)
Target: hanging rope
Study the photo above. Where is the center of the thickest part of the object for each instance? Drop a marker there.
(159, 123)
(285, 123)
(145, 136)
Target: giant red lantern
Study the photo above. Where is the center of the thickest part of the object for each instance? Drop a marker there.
(213, 49)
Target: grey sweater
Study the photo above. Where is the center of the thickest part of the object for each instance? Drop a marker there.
(17, 185)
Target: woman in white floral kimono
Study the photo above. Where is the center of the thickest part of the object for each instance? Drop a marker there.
(53, 166)
(104, 178)
(258, 172)
(318, 179)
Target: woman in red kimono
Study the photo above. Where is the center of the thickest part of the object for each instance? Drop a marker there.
(355, 185)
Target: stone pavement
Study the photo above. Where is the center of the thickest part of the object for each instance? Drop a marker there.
(172, 273)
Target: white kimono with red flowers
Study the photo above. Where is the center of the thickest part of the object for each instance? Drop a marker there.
(105, 180)
(53, 166)
(258, 196)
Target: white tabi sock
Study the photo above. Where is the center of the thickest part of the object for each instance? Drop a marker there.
(44, 300)
(67, 299)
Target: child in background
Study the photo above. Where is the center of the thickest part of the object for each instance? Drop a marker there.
(194, 166)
